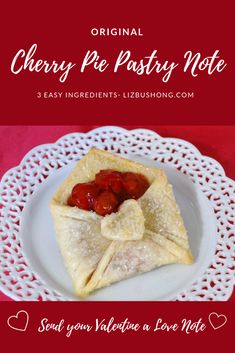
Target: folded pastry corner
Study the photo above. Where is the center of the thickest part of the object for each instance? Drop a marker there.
(142, 235)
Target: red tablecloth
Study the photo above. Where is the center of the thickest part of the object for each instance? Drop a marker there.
(215, 141)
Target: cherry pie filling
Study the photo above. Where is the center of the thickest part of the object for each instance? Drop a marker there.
(108, 191)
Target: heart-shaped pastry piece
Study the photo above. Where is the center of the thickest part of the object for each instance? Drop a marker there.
(126, 224)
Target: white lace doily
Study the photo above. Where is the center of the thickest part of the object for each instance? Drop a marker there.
(17, 279)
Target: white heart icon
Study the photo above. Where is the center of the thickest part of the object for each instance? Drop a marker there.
(217, 320)
(19, 321)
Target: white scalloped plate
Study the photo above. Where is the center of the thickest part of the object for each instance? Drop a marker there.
(38, 273)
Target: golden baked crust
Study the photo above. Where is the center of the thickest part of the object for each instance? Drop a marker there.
(93, 260)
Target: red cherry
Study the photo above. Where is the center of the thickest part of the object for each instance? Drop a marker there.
(105, 203)
(135, 184)
(71, 202)
(83, 195)
(109, 180)
(122, 196)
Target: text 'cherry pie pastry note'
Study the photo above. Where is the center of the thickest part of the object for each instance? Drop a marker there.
(142, 235)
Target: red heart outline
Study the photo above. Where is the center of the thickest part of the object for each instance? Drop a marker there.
(22, 315)
(215, 320)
